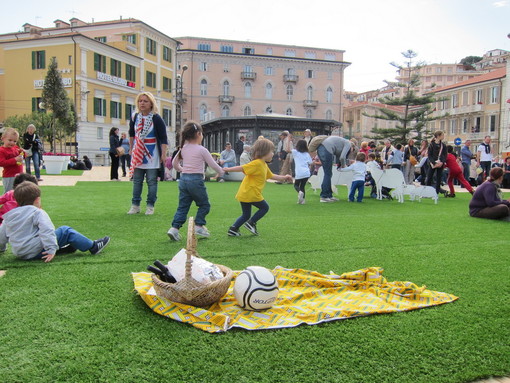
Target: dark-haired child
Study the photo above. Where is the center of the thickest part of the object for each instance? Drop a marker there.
(191, 182)
(302, 162)
(250, 192)
(7, 200)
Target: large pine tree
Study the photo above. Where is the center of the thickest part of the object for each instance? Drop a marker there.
(416, 110)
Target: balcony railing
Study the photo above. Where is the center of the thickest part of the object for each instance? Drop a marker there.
(310, 103)
(226, 99)
(290, 78)
(248, 75)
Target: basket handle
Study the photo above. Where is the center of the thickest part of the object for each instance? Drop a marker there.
(191, 246)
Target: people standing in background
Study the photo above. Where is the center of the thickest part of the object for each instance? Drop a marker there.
(308, 136)
(364, 148)
(148, 144)
(228, 156)
(302, 160)
(238, 148)
(410, 150)
(351, 156)
(11, 158)
(126, 157)
(465, 157)
(437, 153)
(506, 177)
(484, 156)
(288, 145)
(114, 156)
(246, 155)
(386, 152)
(424, 163)
(396, 158)
(31, 146)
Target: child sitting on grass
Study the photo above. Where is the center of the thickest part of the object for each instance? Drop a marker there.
(31, 233)
(250, 192)
(7, 200)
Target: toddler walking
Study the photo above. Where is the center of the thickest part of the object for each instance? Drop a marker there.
(250, 192)
(11, 158)
(302, 161)
(191, 182)
(359, 169)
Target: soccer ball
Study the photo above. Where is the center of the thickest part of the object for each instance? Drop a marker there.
(255, 288)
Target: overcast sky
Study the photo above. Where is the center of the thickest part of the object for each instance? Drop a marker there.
(373, 33)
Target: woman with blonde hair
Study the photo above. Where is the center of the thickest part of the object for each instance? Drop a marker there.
(148, 145)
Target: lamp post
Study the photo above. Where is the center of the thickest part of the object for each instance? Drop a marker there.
(180, 102)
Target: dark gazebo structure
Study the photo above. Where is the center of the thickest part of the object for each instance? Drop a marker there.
(219, 131)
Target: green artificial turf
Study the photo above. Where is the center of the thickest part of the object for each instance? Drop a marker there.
(77, 319)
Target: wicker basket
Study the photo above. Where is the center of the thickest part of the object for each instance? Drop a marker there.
(188, 290)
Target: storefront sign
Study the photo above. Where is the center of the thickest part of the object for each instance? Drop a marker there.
(66, 82)
(115, 80)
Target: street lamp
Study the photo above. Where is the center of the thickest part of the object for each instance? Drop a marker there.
(180, 102)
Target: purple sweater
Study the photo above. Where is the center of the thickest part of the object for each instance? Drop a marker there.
(485, 196)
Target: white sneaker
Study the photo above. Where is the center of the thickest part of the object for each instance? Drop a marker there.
(149, 210)
(134, 209)
(333, 199)
(300, 197)
(327, 200)
(302, 202)
(202, 231)
(174, 235)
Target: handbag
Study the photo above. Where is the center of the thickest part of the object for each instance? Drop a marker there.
(28, 152)
(413, 160)
(120, 151)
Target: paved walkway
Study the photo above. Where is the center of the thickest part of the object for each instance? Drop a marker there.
(98, 173)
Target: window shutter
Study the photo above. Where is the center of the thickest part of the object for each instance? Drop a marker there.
(112, 108)
(96, 106)
(33, 59)
(104, 107)
(112, 67)
(34, 102)
(119, 115)
(96, 62)
(43, 59)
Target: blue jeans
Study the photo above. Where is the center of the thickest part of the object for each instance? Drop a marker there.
(152, 184)
(37, 159)
(327, 165)
(68, 236)
(360, 187)
(246, 208)
(191, 188)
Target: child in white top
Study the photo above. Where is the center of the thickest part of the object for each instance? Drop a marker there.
(302, 162)
(359, 169)
(191, 183)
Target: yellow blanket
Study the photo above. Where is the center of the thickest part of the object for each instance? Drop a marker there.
(305, 297)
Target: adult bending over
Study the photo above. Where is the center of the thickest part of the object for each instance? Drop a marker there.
(148, 145)
(488, 202)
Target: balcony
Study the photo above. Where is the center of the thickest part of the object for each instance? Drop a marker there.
(290, 78)
(226, 99)
(310, 103)
(248, 75)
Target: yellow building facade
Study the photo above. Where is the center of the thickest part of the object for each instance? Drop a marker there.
(103, 65)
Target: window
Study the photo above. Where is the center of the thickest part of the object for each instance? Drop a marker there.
(309, 93)
(115, 68)
(70, 60)
(310, 55)
(204, 47)
(225, 111)
(130, 73)
(269, 51)
(329, 94)
(101, 39)
(290, 92)
(492, 123)
(150, 46)
(247, 110)
(478, 124)
(115, 109)
(129, 110)
(36, 104)
(226, 88)
(290, 53)
(329, 115)
(203, 87)
(453, 127)
(130, 39)
(247, 89)
(494, 95)
(227, 48)
(150, 79)
(269, 71)
(464, 125)
(455, 101)
(329, 57)
(99, 133)
(288, 112)
(248, 51)
(248, 69)
(167, 84)
(479, 96)
(309, 73)
(167, 116)
(99, 106)
(465, 98)
(38, 59)
(167, 54)
(308, 113)
(269, 91)
(203, 66)
(99, 63)
(330, 75)
(203, 112)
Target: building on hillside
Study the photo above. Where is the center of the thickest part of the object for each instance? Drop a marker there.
(476, 108)
(493, 59)
(227, 78)
(104, 66)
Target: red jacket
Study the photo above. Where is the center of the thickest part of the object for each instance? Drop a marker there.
(452, 164)
(8, 161)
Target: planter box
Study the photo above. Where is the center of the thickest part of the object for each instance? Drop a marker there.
(53, 164)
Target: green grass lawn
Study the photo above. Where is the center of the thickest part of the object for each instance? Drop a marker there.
(77, 319)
